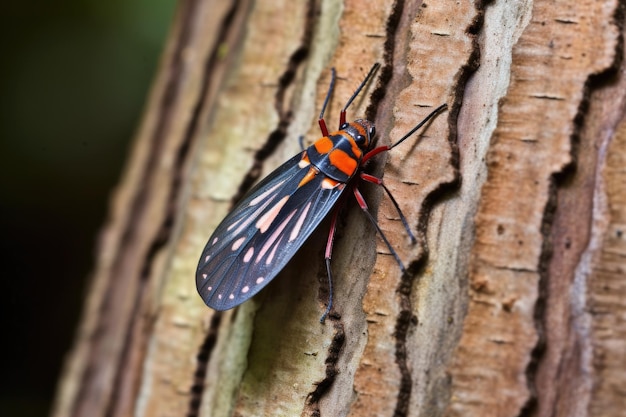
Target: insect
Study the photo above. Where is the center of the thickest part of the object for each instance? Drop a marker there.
(272, 221)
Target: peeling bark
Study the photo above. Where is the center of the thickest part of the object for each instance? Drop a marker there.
(513, 302)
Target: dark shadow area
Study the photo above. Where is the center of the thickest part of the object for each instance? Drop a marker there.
(73, 81)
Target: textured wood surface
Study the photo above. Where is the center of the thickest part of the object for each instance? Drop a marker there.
(514, 299)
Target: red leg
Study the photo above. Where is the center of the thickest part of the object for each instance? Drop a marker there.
(378, 181)
(320, 120)
(327, 256)
(342, 118)
(373, 153)
(323, 127)
(361, 201)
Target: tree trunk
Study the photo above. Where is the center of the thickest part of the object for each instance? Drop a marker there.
(514, 300)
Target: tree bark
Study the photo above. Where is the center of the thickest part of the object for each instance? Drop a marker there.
(514, 300)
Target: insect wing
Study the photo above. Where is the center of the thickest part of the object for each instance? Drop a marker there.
(261, 234)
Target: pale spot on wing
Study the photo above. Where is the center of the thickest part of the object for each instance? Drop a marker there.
(234, 224)
(209, 289)
(204, 276)
(248, 255)
(231, 297)
(214, 241)
(238, 243)
(207, 258)
(253, 216)
(296, 229)
(245, 289)
(275, 235)
(329, 184)
(260, 280)
(262, 197)
(219, 296)
(270, 258)
(265, 222)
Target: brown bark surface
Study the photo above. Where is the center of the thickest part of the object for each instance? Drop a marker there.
(514, 300)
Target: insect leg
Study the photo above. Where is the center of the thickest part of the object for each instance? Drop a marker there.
(321, 121)
(420, 124)
(342, 115)
(385, 148)
(361, 201)
(378, 181)
(327, 256)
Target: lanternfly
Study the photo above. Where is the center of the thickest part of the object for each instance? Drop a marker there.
(272, 221)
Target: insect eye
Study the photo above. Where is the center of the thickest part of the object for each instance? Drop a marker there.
(372, 132)
(344, 126)
(360, 140)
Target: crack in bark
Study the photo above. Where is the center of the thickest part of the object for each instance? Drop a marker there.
(273, 141)
(137, 209)
(331, 368)
(559, 180)
(386, 72)
(530, 407)
(285, 116)
(406, 318)
(203, 357)
(163, 235)
(161, 239)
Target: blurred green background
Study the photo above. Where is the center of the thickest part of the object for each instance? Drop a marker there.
(74, 76)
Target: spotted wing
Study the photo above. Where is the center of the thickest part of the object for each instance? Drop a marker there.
(261, 234)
